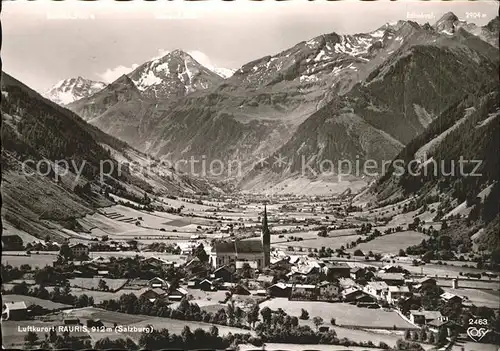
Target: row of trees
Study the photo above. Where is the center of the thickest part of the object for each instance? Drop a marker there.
(57, 294)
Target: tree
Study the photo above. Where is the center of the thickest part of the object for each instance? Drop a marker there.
(317, 321)
(253, 314)
(199, 251)
(442, 336)
(333, 321)
(246, 271)
(31, 338)
(358, 252)
(304, 314)
(65, 252)
(102, 285)
(266, 314)
(402, 253)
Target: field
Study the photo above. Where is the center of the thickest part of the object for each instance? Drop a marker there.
(345, 314)
(89, 283)
(29, 300)
(318, 242)
(173, 325)
(392, 243)
(478, 297)
(167, 257)
(35, 260)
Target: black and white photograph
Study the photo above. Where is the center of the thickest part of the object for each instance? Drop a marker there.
(250, 175)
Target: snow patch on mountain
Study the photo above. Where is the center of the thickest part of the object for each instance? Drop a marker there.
(69, 90)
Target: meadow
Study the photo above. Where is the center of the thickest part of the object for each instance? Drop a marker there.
(345, 314)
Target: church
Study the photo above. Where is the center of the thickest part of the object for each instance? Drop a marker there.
(255, 252)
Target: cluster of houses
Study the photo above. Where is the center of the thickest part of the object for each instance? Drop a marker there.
(158, 288)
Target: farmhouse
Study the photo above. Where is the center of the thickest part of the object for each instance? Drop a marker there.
(225, 273)
(357, 273)
(153, 294)
(424, 317)
(397, 292)
(206, 285)
(14, 311)
(451, 298)
(424, 282)
(393, 279)
(351, 294)
(336, 270)
(438, 324)
(177, 294)
(303, 291)
(279, 290)
(258, 251)
(158, 282)
(327, 290)
(79, 250)
(378, 289)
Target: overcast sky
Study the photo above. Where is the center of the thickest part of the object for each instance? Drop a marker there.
(45, 41)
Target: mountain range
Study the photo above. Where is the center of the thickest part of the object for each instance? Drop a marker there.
(402, 92)
(335, 96)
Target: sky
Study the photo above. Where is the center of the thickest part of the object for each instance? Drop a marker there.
(46, 41)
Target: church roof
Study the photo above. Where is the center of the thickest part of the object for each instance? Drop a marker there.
(239, 246)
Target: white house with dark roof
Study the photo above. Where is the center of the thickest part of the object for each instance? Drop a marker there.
(378, 289)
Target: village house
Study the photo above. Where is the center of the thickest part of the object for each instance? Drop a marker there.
(424, 282)
(177, 294)
(357, 273)
(279, 290)
(439, 324)
(14, 311)
(351, 294)
(451, 298)
(206, 285)
(225, 273)
(79, 250)
(378, 289)
(389, 268)
(396, 292)
(394, 279)
(424, 317)
(158, 282)
(193, 283)
(153, 294)
(303, 292)
(327, 290)
(336, 270)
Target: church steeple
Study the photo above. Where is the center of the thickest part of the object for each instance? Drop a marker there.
(266, 233)
(266, 239)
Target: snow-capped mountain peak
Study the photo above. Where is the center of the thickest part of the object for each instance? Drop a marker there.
(173, 75)
(68, 90)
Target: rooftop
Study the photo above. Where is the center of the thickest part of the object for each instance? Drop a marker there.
(12, 306)
(239, 246)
